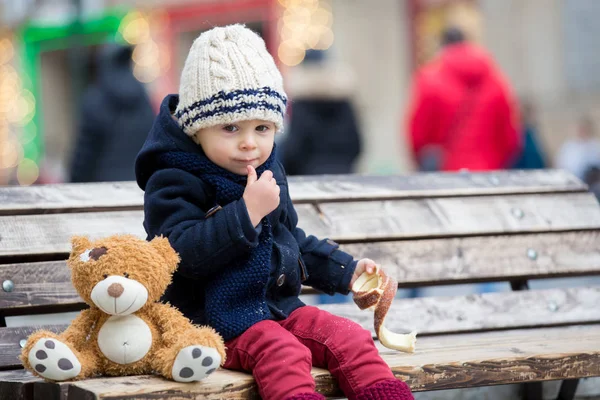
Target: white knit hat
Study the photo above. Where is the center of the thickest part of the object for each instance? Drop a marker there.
(229, 76)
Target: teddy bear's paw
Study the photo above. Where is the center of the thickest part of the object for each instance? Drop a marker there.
(54, 360)
(194, 363)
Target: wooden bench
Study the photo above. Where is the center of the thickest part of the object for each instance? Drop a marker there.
(425, 229)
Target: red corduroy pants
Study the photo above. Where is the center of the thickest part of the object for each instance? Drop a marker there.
(280, 354)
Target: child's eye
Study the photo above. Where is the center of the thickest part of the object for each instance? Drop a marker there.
(263, 128)
(230, 128)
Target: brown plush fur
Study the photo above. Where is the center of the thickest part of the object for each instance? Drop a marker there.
(149, 263)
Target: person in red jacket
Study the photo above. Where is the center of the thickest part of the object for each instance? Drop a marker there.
(462, 113)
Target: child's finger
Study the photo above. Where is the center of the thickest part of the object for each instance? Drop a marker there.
(267, 175)
(251, 175)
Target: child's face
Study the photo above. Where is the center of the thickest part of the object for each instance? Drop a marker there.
(234, 146)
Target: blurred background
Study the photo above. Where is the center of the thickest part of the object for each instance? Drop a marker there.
(351, 68)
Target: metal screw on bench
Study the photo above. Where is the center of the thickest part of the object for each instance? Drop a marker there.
(22, 342)
(552, 306)
(517, 213)
(494, 180)
(8, 285)
(532, 254)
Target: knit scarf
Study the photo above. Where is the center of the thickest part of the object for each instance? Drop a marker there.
(235, 298)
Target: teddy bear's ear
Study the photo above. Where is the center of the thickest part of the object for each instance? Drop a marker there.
(162, 245)
(80, 243)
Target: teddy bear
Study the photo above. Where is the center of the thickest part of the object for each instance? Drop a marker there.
(126, 330)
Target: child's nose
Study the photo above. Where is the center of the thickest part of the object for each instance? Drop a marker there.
(248, 142)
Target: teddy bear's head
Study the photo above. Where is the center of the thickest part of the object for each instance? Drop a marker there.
(120, 274)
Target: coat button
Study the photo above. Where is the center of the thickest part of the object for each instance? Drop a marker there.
(280, 280)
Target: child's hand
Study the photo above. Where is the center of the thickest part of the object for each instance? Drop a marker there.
(261, 195)
(364, 265)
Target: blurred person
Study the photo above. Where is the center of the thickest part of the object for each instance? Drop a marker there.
(462, 114)
(582, 152)
(115, 118)
(592, 179)
(322, 133)
(532, 154)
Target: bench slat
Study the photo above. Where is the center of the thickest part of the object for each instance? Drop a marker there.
(488, 258)
(412, 263)
(17, 385)
(104, 196)
(403, 219)
(10, 349)
(435, 315)
(49, 235)
(450, 362)
(488, 311)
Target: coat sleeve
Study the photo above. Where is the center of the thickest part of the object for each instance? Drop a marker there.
(176, 205)
(329, 269)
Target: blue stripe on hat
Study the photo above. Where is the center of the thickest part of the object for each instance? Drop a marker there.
(261, 105)
(234, 96)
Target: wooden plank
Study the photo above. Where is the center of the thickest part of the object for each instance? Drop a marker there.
(412, 263)
(72, 196)
(489, 258)
(323, 188)
(488, 311)
(448, 362)
(35, 235)
(17, 385)
(434, 315)
(10, 339)
(441, 217)
(49, 235)
(37, 284)
(118, 195)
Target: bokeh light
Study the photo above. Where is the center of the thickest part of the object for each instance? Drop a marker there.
(27, 172)
(305, 24)
(135, 28)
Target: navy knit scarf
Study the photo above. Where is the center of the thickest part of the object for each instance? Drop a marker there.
(236, 298)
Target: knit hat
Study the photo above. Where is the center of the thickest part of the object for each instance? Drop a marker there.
(229, 76)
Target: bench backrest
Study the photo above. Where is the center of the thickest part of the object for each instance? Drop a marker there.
(427, 229)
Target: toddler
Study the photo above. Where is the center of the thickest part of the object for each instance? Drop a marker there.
(214, 188)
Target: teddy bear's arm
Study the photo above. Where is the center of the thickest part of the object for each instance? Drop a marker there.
(81, 327)
(170, 322)
(173, 325)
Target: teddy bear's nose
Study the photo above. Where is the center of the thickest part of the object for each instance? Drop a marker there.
(115, 290)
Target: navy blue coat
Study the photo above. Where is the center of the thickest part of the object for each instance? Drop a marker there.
(176, 205)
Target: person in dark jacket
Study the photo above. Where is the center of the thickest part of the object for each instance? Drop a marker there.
(532, 154)
(114, 121)
(322, 136)
(462, 113)
(214, 188)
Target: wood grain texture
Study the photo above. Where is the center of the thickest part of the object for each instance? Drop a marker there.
(9, 343)
(325, 188)
(17, 385)
(37, 284)
(104, 196)
(435, 315)
(489, 258)
(488, 311)
(411, 263)
(45, 235)
(448, 362)
(405, 219)
(41, 199)
(35, 235)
